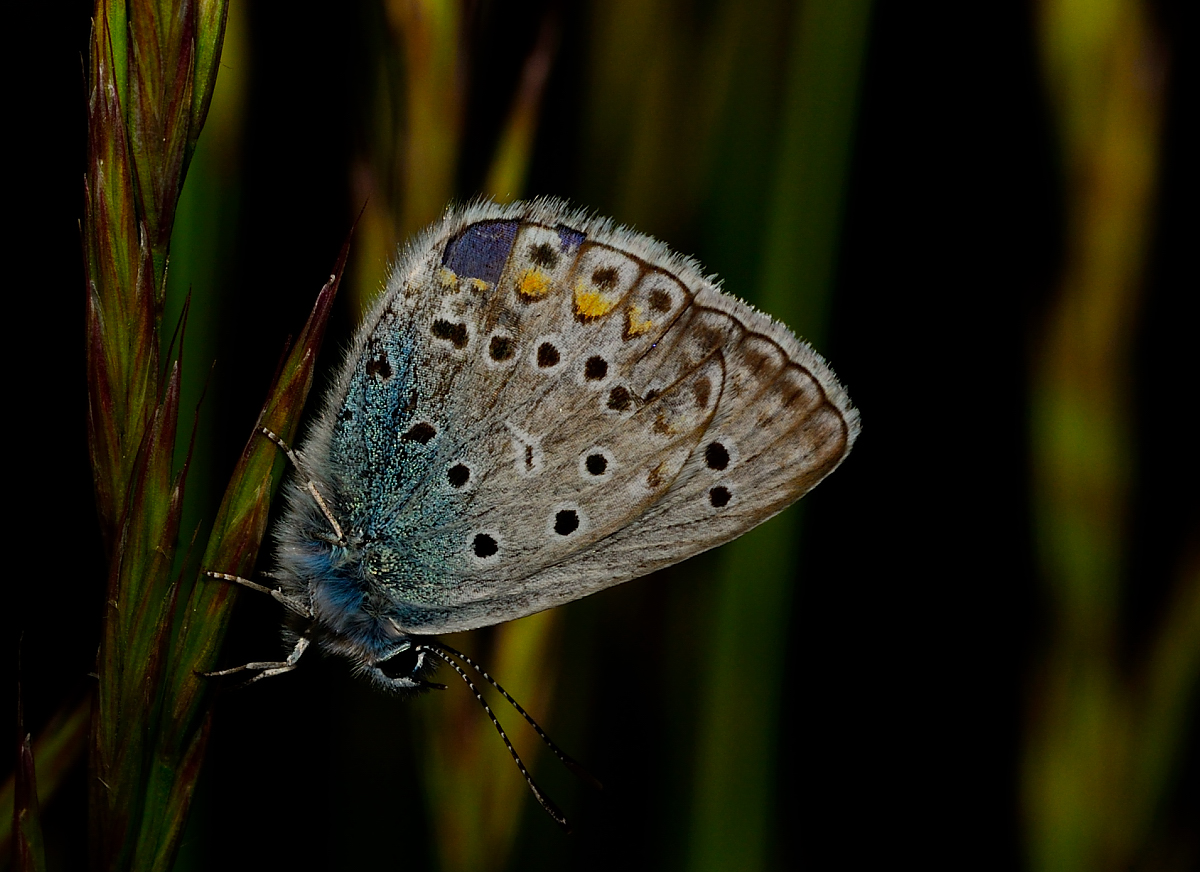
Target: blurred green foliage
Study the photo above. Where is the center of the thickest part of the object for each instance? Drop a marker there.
(1107, 732)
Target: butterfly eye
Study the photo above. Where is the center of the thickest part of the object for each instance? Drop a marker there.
(405, 663)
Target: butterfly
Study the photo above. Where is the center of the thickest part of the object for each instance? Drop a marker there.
(540, 405)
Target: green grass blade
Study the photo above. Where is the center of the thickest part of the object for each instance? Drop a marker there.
(29, 849)
(141, 118)
(137, 626)
(510, 165)
(233, 546)
(211, 18)
(430, 33)
(121, 316)
(56, 750)
(1091, 782)
(739, 737)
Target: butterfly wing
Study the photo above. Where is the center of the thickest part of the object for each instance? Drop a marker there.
(542, 406)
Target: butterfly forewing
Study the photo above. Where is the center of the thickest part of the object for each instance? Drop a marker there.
(542, 406)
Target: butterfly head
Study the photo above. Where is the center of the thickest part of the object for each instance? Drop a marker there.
(404, 667)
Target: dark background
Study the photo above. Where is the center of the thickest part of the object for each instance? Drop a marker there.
(916, 619)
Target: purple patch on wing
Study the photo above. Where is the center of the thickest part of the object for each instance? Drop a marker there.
(569, 238)
(480, 251)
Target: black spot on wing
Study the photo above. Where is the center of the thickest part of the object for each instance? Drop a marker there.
(596, 368)
(619, 399)
(719, 497)
(484, 545)
(421, 433)
(379, 366)
(605, 278)
(543, 255)
(660, 300)
(716, 456)
(566, 522)
(455, 334)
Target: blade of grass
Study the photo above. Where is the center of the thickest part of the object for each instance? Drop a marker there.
(732, 824)
(1102, 70)
(56, 750)
(232, 548)
(25, 816)
(137, 630)
(211, 18)
(144, 117)
(1169, 688)
(658, 84)
(122, 318)
(431, 35)
(202, 244)
(29, 849)
(162, 44)
(510, 165)
(408, 177)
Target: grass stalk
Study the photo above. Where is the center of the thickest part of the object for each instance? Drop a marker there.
(1106, 730)
(732, 824)
(153, 69)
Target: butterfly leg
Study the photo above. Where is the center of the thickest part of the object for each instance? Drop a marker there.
(309, 484)
(279, 596)
(266, 668)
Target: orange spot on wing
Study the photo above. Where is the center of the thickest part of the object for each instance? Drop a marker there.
(590, 303)
(635, 325)
(533, 284)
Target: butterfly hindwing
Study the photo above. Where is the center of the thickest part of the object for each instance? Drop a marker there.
(541, 406)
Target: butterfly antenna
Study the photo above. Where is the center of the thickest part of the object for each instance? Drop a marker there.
(549, 806)
(572, 764)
